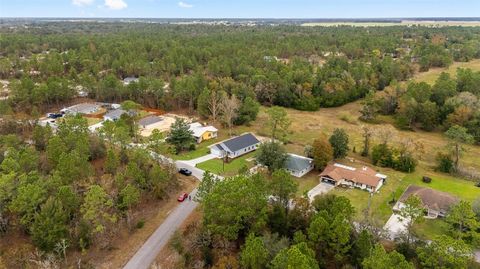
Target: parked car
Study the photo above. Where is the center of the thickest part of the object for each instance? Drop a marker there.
(54, 115)
(185, 171)
(182, 197)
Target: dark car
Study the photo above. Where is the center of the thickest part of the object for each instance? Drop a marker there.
(54, 115)
(182, 197)
(185, 171)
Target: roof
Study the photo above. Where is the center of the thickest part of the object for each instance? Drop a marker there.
(239, 142)
(297, 163)
(198, 129)
(130, 79)
(365, 175)
(115, 114)
(83, 108)
(149, 120)
(433, 199)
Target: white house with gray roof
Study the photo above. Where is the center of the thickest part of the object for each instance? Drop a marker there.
(298, 165)
(235, 147)
(114, 115)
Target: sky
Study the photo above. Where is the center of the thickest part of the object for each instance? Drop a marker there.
(240, 8)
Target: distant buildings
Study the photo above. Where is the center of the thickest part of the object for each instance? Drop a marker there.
(129, 80)
(114, 115)
(82, 108)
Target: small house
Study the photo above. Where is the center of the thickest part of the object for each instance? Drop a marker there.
(114, 115)
(235, 147)
(364, 178)
(149, 120)
(298, 165)
(202, 133)
(436, 203)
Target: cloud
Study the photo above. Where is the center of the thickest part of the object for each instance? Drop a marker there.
(82, 3)
(184, 5)
(115, 4)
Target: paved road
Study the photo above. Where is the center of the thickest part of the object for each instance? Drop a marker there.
(146, 255)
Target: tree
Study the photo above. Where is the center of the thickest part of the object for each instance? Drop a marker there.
(278, 122)
(55, 148)
(97, 210)
(235, 204)
(248, 111)
(322, 152)
(272, 155)
(132, 108)
(40, 136)
(112, 162)
(129, 197)
(380, 259)
(367, 134)
(254, 253)
(229, 108)
(463, 221)
(180, 136)
(458, 136)
(363, 246)
(411, 212)
(206, 185)
(445, 252)
(297, 256)
(209, 102)
(27, 201)
(339, 142)
(49, 225)
(370, 107)
(382, 155)
(283, 187)
(445, 163)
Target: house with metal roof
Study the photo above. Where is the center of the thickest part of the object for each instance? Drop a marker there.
(149, 120)
(129, 80)
(236, 146)
(202, 133)
(298, 165)
(114, 115)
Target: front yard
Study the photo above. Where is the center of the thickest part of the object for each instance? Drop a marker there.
(216, 166)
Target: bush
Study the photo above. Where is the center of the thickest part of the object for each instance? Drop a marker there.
(405, 164)
(426, 179)
(140, 224)
(382, 155)
(445, 163)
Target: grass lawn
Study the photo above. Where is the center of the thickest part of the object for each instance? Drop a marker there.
(231, 169)
(307, 182)
(92, 121)
(201, 150)
(430, 228)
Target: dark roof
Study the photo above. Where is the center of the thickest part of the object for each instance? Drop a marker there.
(297, 163)
(240, 142)
(433, 199)
(149, 120)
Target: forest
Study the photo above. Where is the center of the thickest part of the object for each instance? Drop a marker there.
(70, 190)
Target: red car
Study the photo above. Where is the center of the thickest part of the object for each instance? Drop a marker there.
(182, 197)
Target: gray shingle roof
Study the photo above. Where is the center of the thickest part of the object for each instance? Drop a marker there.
(149, 120)
(240, 142)
(297, 163)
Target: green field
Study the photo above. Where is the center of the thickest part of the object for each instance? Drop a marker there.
(216, 166)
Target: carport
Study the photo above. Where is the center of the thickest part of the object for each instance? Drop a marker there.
(329, 181)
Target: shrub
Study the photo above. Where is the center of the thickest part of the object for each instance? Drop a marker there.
(445, 163)
(140, 224)
(405, 164)
(426, 179)
(382, 155)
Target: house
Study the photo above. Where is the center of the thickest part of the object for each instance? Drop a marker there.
(436, 203)
(298, 165)
(114, 115)
(149, 120)
(364, 178)
(235, 147)
(129, 80)
(202, 133)
(82, 108)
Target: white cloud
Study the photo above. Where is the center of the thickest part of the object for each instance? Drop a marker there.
(81, 3)
(115, 4)
(184, 5)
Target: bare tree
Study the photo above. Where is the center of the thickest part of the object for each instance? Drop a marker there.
(385, 134)
(214, 103)
(229, 108)
(367, 134)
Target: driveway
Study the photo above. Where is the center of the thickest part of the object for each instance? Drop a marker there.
(202, 159)
(321, 188)
(395, 226)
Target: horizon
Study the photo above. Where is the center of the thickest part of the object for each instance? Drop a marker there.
(248, 9)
